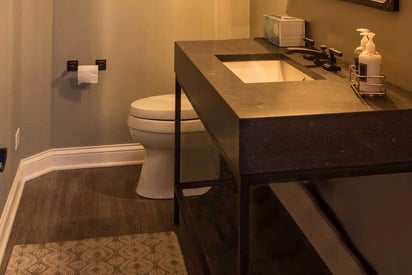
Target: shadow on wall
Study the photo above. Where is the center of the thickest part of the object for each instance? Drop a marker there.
(374, 211)
(68, 88)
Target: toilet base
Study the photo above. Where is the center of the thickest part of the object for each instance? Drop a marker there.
(157, 175)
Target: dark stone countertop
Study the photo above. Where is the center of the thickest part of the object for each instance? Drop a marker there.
(297, 129)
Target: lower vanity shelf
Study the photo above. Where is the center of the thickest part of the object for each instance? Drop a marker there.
(277, 245)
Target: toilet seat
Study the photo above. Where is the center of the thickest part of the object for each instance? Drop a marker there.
(162, 107)
(156, 114)
(164, 126)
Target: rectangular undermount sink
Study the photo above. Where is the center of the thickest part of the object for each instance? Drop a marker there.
(267, 68)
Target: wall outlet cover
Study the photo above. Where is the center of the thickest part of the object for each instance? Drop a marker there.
(3, 159)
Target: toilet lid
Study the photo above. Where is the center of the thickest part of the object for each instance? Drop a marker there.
(161, 107)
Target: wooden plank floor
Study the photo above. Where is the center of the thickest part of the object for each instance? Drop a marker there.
(86, 203)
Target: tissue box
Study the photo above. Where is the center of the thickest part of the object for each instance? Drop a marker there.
(284, 31)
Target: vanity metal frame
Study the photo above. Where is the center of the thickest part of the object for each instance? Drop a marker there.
(245, 182)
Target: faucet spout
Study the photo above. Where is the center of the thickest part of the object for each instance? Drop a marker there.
(319, 57)
(303, 50)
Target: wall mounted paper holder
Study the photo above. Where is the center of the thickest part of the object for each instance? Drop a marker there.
(72, 65)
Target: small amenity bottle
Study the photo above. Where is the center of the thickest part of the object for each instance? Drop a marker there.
(370, 67)
(361, 48)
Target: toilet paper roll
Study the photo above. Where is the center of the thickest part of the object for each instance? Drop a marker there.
(87, 74)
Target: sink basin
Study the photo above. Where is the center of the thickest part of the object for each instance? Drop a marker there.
(259, 71)
(268, 68)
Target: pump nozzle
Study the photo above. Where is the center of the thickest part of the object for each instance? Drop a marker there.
(370, 46)
(364, 39)
(362, 30)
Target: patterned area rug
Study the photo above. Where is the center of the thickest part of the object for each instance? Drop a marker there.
(151, 253)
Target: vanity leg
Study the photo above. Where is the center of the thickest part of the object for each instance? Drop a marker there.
(242, 264)
(177, 150)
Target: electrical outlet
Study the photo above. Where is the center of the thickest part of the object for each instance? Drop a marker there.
(3, 158)
(17, 139)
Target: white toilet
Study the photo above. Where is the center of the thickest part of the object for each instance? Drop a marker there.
(151, 123)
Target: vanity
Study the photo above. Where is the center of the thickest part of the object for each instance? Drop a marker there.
(309, 128)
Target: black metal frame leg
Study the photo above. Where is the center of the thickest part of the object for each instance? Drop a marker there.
(242, 263)
(178, 96)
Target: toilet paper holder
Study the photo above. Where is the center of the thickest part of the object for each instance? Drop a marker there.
(72, 65)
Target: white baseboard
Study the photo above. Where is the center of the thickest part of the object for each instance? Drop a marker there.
(81, 157)
(9, 211)
(62, 159)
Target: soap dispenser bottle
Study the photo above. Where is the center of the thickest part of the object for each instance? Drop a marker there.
(361, 48)
(370, 67)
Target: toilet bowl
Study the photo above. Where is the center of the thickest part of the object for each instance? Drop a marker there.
(151, 123)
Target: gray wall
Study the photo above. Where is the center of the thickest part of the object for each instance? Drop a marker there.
(375, 210)
(6, 75)
(25, 53)
(136, 38)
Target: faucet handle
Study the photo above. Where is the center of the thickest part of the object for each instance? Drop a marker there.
(309, 43)
(322, 57)
(332, 51)
(331, 65)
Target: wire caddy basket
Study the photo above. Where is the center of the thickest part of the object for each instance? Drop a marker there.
(366, 85)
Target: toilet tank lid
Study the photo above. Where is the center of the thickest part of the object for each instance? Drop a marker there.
(161, 107)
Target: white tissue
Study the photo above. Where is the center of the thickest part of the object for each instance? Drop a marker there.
(87, 74)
